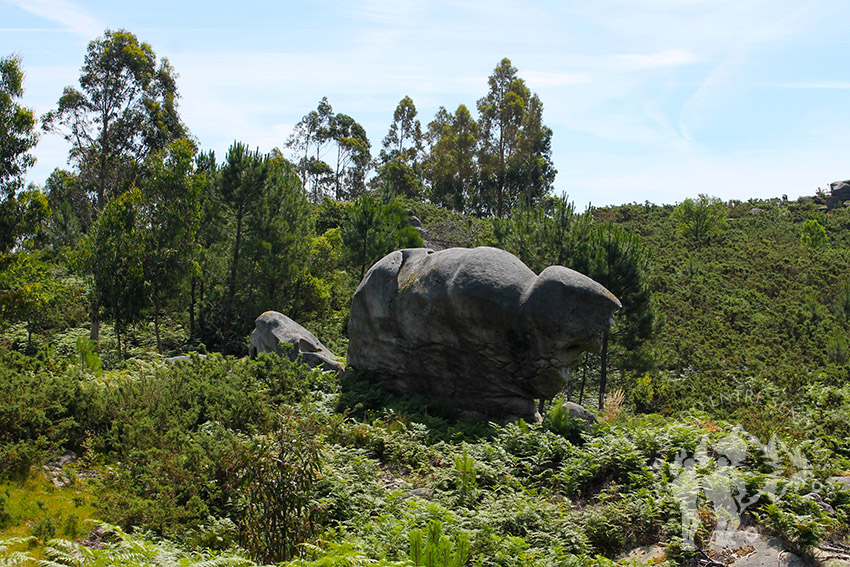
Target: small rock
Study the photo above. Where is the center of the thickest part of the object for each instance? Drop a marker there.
(425, 493)
(578, 412)
(274, 329)
(65, 458)
(184, 357)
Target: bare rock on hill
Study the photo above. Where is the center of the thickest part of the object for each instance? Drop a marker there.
(275, 329)
(475, 327)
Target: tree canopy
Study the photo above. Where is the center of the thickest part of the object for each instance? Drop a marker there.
(17, 128)
(124, 110)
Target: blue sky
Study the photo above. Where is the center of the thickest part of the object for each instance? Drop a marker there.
(654, 100)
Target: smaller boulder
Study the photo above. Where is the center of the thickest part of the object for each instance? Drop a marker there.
(274, 329)
(578, 412)
(183, 358)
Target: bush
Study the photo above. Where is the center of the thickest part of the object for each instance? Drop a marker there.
(45, 528)
(274, 479)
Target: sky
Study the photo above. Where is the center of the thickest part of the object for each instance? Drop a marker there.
(651, 100)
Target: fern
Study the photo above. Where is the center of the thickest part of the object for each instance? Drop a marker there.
(9, 558)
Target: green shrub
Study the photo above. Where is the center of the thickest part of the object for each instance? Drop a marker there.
(437, 550)
(71, 527)
(558, 421)
(274, 480)
(45, 528)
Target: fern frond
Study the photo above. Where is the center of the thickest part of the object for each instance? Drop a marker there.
(15, 558)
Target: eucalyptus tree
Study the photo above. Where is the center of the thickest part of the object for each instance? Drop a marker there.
(352, 156)
(311, 136)
(400, 159)
(315, 139)
(124, 110)
(515, 149)
(18, 134)
(451, 168)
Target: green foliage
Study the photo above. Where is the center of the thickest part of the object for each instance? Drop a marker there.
(374, 229)
(813, 235)
(28, 289)
(126, 108)
(275, 480)
(558, 421)
(437, 550)
(17, 130)
(45, 528)
(89, 359)
(701, 219)
(5, 515)
(110, 546)
(466, 476)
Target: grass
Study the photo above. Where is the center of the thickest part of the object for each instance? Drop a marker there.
(37, 502)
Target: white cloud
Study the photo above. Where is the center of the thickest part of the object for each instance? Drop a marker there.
(542, 79)
(669, 58)
(817, 85)
(387, 12)
(65, 13)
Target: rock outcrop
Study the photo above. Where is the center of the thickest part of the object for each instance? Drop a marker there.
(275, 329)
(839, 193)
(474, 326)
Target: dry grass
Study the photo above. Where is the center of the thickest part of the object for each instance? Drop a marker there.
(613, 405)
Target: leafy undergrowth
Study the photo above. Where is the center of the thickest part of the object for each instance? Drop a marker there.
(193, 461)
(742, 421)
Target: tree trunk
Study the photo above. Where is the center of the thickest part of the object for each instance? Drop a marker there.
(94, 332)
(202, 323)
(192, 308)
(156, 321)
(231, 290)
(583, 379)
(363, 260)
(603, 371)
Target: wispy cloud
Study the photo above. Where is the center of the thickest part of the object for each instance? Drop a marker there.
(669, 58)
(65, 13)
(387, 12)
(823, 85)
(540, 79)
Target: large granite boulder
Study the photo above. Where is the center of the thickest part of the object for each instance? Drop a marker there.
(474, 326)
(274, 329)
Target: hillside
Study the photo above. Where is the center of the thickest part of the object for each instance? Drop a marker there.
(735, 418)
